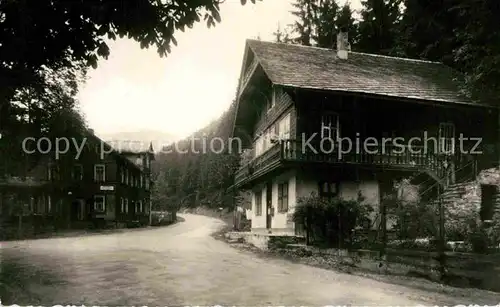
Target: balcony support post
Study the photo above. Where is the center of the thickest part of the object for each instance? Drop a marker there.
(441, 241)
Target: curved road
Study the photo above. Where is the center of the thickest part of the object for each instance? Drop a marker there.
(180, 265)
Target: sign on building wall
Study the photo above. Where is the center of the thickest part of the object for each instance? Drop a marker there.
(107, 188)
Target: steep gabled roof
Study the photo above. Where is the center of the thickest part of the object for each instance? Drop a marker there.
(320, 68)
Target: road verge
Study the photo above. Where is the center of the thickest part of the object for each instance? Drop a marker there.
(345, 265)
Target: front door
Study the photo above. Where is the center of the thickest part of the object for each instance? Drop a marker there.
(269, 204)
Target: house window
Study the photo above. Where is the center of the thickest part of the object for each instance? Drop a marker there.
(258, 203)
(259, 146)
(140, 205)
(78, 172)
(446, 138)
(126, 205)
(328, 189)
(99, 172)
(146, 207)
(284, 128)
(123, 175)
(126, 176)
(273, 134)
(122, 205)
(283, 197)
(142, 182)
(330, 127)
(147, 183)
(488, 194)
(99, 204)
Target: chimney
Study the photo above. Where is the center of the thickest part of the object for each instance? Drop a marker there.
(342, 45)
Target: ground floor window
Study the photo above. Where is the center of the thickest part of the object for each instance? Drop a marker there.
(328, 189)
(99, 203)
(283, 197)
(258, 203)
(126, 205)
(122, 205)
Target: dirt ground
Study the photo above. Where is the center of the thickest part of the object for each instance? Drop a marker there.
(184, 265)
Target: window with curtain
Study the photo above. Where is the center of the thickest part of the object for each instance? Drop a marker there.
(258, 203)
(283, 197)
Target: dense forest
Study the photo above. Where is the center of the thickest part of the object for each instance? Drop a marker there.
(460, 33)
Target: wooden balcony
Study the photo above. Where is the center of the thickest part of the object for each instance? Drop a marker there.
(387, 157)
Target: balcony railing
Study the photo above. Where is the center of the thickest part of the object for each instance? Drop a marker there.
(418, 158)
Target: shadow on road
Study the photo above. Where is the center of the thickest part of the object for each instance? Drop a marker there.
(18, 278)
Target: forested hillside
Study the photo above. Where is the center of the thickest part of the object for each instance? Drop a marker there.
(461, 33)
(190, 174)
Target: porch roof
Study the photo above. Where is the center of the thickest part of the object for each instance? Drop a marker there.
(321, 69)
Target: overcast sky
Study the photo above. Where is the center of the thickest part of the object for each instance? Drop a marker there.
(137, 90)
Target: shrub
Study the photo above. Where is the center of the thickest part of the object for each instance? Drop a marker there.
(331, 222)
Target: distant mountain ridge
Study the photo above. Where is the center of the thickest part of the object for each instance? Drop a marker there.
(140, 139)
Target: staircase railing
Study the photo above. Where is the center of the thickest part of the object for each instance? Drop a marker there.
(467, 176)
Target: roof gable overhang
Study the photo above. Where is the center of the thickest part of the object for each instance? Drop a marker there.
(403, 99)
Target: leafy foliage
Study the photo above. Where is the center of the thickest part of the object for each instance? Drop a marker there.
(46, 47)
(64, 32)
(50, 113)
(331, 221)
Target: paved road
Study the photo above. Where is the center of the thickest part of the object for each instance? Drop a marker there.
(181, 265)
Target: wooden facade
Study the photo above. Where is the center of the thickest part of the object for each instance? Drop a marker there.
(307, 117)
(385, 126)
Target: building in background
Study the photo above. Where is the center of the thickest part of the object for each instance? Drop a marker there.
(98, 187)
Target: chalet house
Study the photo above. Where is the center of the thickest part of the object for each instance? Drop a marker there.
(292, 99)
(72, 193)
